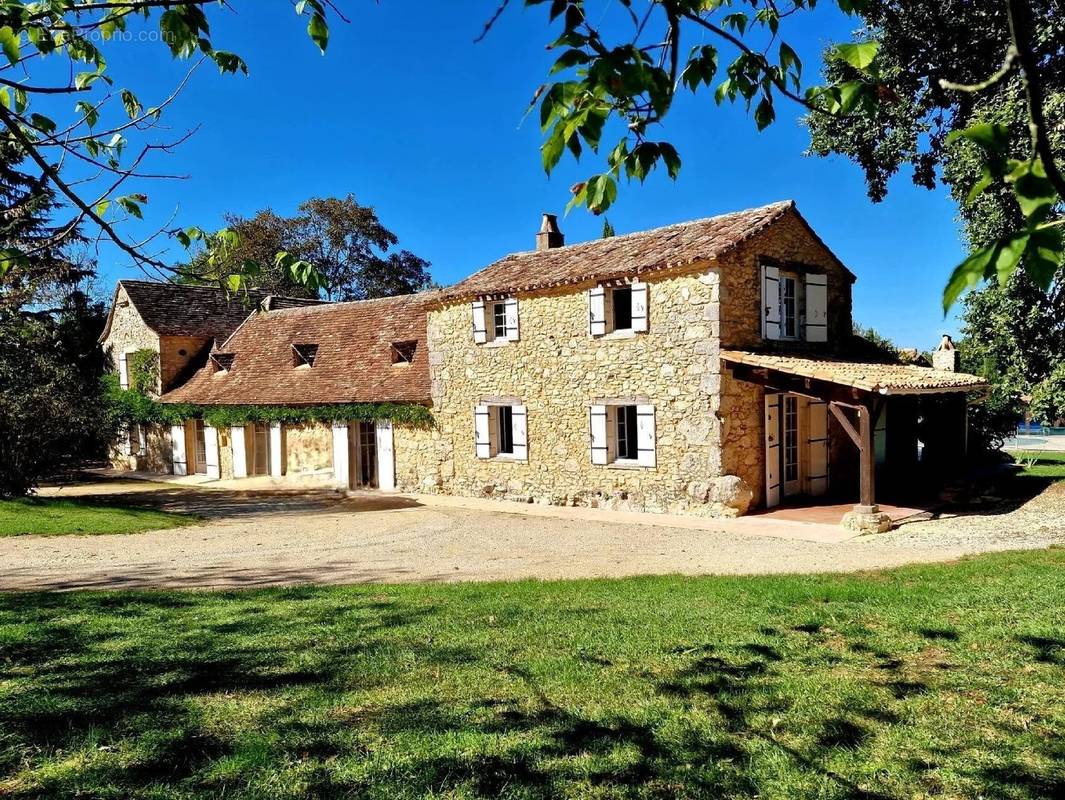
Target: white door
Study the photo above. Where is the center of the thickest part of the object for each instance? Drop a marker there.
(772, 450)
(790, 461)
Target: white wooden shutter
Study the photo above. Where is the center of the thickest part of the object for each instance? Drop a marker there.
(520, 421)
(482, 432)
(770, 302)
(772, 450)
(598, 430)
(177, 450)
(386, 456)
(597, 311)
(645, 435)
(816, 308)
(277, 450)
(817, 444)
(510, 315)
(639, 306)
(480, 330)
(240, 452)
(210, 439)
(341, 468)
(123, 372)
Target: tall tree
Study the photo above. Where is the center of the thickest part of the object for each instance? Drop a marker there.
(345, 243)
(92, 156)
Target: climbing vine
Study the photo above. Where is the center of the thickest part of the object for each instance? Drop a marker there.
(143, 367)
(128, 406)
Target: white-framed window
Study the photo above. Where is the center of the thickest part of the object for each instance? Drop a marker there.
(495, 320)
(623, 434)
(501, 431)
(794, 305)
(617, 308)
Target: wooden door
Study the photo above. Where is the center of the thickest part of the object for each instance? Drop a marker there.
(791, 462)
(772, 450)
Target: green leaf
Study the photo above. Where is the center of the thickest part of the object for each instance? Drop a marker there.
(858, 54)
(991, 136)
(318, 30)
(1035, 193)
(671, 159)
(131, 104)
(9, 41)
(42, 123)
(997, 259)
(764, 113)
(88, 112)
(1044, 256)
(789, 59)
(551, 150)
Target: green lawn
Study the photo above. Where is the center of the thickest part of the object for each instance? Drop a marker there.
(52, 517)
(1043, 464)
(940, 681)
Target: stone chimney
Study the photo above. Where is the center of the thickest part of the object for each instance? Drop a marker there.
(549, 235)
(947, 356)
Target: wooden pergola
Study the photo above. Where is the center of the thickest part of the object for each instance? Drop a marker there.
(856, 394)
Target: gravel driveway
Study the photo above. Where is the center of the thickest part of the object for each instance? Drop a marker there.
(263, 539)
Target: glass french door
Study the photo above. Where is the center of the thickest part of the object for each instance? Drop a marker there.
(260, 438)
(363, 439)
(790, 442)
(200, 439)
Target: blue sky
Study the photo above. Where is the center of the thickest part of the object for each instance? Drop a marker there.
(411, 116)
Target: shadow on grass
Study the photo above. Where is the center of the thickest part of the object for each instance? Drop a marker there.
(128, 693)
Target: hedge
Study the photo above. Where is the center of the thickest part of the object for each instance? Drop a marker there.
(130, 406)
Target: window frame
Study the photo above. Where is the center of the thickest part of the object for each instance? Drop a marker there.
(792, 279)
(612, 315)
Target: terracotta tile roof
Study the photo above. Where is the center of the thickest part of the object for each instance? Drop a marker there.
(353, 363)
(634, 253)
(871, 377)
(172, 309)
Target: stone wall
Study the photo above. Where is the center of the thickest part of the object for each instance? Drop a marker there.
(128, 332)
(788, 241)
(176, 352)
(423, 458)
(309, 449)
(557, 370)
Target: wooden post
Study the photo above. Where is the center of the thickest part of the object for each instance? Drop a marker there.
(867, 461)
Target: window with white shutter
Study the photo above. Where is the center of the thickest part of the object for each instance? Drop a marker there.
(501, 431)
(816, 308)
(177, 450)
(770, 302)
(510, 318)
(123, 371)
(623, 434)
(617, 309)
(639, 306)
(597, 421)
(482, 432)
(495, 320)
(597, 311)
(480, 329)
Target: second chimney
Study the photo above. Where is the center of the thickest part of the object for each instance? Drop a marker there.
(549, 236)
(947, 356)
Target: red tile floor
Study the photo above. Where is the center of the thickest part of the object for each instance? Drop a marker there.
(833, 514)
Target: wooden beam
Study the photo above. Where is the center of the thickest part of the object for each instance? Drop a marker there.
(867, 459)
(845, 423)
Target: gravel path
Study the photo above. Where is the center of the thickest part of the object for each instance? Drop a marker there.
(270, 539)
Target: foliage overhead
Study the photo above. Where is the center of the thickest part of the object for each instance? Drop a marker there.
(610, 91)
(90, 149)
(344, 244)
(1048, 399)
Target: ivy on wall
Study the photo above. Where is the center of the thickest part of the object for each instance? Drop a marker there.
(131, 406)
(143, 369)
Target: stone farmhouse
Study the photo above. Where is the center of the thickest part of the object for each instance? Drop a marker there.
(707, 367)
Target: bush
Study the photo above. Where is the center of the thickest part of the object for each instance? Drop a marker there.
(1048, 398)
(52, 413)
(995, 419)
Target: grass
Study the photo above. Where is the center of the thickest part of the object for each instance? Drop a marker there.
(942, 681)
(1041, 464)
(54, 517)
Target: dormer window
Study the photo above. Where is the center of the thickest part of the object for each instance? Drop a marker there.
(223, 361)
(403, 352)
(303, 355)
